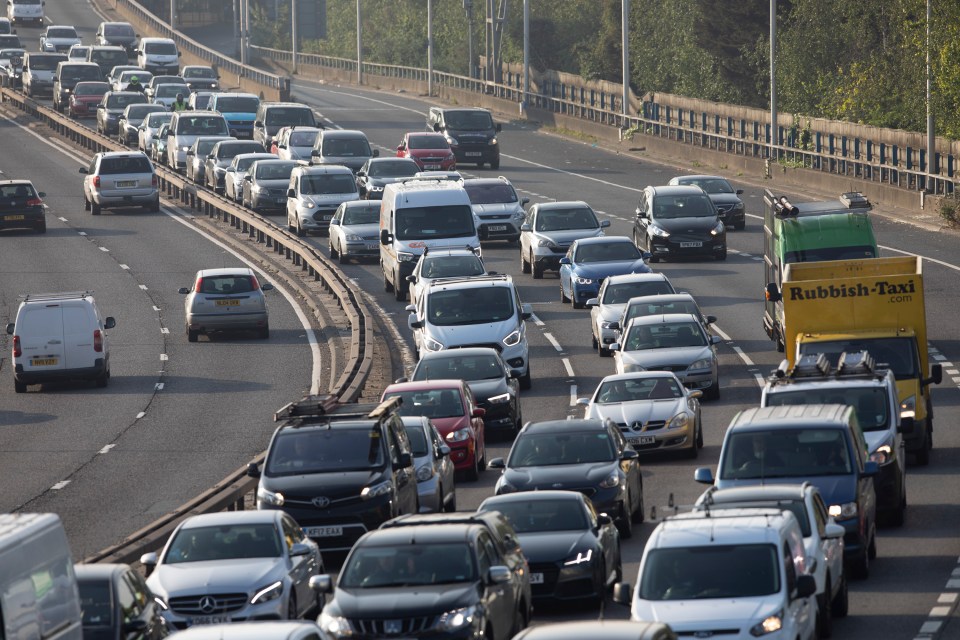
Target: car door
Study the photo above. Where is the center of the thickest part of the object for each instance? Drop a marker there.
(609, 539)
(80, 330)
(566, 271)
(475, 422)
(831, 550)
(154, 625)
(40, 329)
(301, 568)
(443, 465)
(641, 222)
(499, 599)
(867, 494)
(800, 614)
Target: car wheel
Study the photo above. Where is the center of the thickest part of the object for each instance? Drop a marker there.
(451, 504)
(94, 208)
(387, 285)
(19, 387)
(593, 342)
(192, 335)
(495, 164)
(300, 231)
(42, 227)
(722, 256)
(333, 251)
(563, 295)
(86, 203)
(292, 612)
(525, 380)
(625, 522)
(524, 265)
(713, 391)
(699, 434)
(824, 616)
(537, 271)
(103, 379)
(343, 259)
(155, 206)
(872, 547)
(841, 602)
(638, 513)
(922, 455)
(694, 450)
(398, 293)
(473, 473)
(576, 305)
(861, 568)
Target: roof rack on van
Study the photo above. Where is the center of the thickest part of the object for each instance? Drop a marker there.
(448, 247)
(314, 409)
(855, 200)
(810, 366)
(500, 277)
(65, 295)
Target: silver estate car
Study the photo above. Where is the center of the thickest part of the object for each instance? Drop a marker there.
(120, 179)
(265, 185)
(226, 299)
(149, 128)
(235, 565)
(431, 457)
(674, 342)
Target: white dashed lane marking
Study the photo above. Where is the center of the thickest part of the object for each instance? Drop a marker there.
(60, 485)
(107, 448)
(553, 341)
(567, 366)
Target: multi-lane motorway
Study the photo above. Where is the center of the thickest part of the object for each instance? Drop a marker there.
(213, 410)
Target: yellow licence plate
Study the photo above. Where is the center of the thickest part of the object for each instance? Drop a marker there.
(43, 362)
(13, 217)
(228, 303)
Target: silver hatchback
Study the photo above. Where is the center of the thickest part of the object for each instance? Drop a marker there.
(120, 179)
(226, 299)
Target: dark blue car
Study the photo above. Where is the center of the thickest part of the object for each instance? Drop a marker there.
(590, 260)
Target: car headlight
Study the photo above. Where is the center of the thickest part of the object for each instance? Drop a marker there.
(738, 206)
(702, 363)
(213, 85)
(519, 214)
(185, 148)
(403, 256)
(452, 141)
(377, 490)
(770, 624)
(307, 204)
(632, 368)
(505, 487)
(908, 404)
(160, 603)
(266, 496)
(457, 619)
(607, 325)
(374, 188)
(500, 399)
(460, 435)
(678, 421)
(352, 237)
(883, 454)
(266, 594)
(581, 557)
(550, 244)
(492, 142)
(432, 345)
(584, 281)
(717, 230)
(658, 232)
(424, 473)
(843, 511)
(611, 480)
(336, 626)
(512, 339)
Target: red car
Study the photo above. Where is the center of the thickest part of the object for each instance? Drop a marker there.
(451, 407)
(430, 151)
(85, 98)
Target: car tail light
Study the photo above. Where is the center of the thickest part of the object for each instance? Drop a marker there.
(198, 284)
(17, 351)
(34, 202)
(154, 182)
(254, 283)
(97, 341)
(96, 181)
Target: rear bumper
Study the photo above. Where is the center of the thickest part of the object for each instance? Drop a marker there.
(141, 198)
(84, 373)
(227, 322)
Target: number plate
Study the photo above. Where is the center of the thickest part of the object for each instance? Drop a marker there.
(13, 217)
(43, 362)
(496, 227)
(536, 578)
(323, 532)
(371, 246)
(126, 183)
(473, 154)
(642, 440)
(281, 201)
(690, 245)
(209, 620)
(228, 303)
(327, 216)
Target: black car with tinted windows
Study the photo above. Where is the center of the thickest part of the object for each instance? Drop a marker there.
(339, 470)
(376, 173)
(679, 222)
(470, 132)
(21, 206)
(727, 199)
(438, 581)
(117, 604)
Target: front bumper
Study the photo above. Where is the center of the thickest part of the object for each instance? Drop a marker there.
(498, 228)
(462, 454)
(369, 248)
(264, 202)
(548, 259)
(184, 610)
(41, 87)
(583, 292)
(854, 542)
(563, 583)
(658, 438)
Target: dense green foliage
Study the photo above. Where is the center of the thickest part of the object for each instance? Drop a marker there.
(857, 60)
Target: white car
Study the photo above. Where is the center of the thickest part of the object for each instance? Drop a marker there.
(615, 293)
(295, 143)
(235, 565)
(443, 262)
(315, 193)
(149, 128)
(57, 39)
(166, 94)
(355, 230)
(431, 457)
(123, 78)
(78, 53)
(822, 536)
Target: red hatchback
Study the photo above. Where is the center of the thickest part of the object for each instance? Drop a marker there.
(451, 407)
(85, 98)
(429, 150)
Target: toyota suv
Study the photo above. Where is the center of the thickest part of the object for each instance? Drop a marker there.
(470, 132)
(550, 229)
(339, 470)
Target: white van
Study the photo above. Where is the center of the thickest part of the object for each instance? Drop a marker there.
(416, 214)
(159, 56)
(59, 336)
(38, 588)
(20, 11)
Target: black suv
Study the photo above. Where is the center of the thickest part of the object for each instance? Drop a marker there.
(444, 581)
(470, 132)
(339, 470)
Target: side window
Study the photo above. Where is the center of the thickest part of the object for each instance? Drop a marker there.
(392, 445)
(128, 602)
(139, 590)
(789, 571)
(400, 433)
(820, 514)
(486, 553)
(291, 531)
(591, 514)
(619, 441)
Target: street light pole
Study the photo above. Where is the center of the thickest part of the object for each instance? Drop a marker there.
(931, 127)
(773, 80)
(526, 55)
(625, 28)
(293, 33)
(359, 47)
(430, 48)
(468, 5)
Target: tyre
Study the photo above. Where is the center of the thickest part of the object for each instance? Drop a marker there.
(192, 335)
(593, 342)
(387, 285)
(103, 379)
(94, 208)
(638, 514)
(292, 612)
(699, 434)
(473, 473)
(451, 504)
(625, 522)
(573, 299)
(694, 451)
(860, 569)
(343, 259)
(872, 547)
(841, 602)
(563, 296)
(720, 257)
(86, 204)
(264, 333)
(19, 387)
(333, 251)
(525, 380)
(537, 271)
(922, 455)
(713, 391)
(42, 227)
(398, 292)
(524, 265)
(495, 164)
(742, 226)
(824, 616)
(155, 206)
(300, 231)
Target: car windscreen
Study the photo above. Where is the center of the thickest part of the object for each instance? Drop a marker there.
(303, 138)
(228, 150)
(551, 449)
(691, 206)
(167, 90)
(125, 164)
(79, 73)
(199, 72)
(118, 31)
(535, 516)
(202, 125)
(785, 453)
(406, 565)
(121, 101)
(490, 193)
(710, 571)
(456, 366)
(430, 403)
(242, 164)
(238, 105)
(289, 116)
(480, 305)
(468, 120)
(91, 89)
(451, 266)
(424, 223)
(157, 118)
(12, 41)
(566, 219)
(346, 147)
(606, 252)
(201, 101)
(640, 309)
(427, 142)
(45, 62)
(137, 112)
(871, 403)
(95, 599)
(418, 440)
(362, 214)
(160, 48)
(621, 293)
(61, 32)
(665, 335)
(632, 390)
(224, 542)
(820, 254)
(108, 59)
(393, 169)
(709, 185)
(327, 184)
(204, 147)
(899, 354)
(274, 170)
(324, 451)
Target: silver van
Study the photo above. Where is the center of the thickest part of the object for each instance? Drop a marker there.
(342, 146)
(185, 126)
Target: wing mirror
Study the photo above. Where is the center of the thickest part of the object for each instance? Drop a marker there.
(773, 293)
(604, 224)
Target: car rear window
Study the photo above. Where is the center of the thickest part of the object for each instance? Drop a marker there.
(239, 105)
(129, 164)
(227, 284)
(118, 31)
(95, 603)
(91, 88)
(78, 73)
(47, 62)
(160, 48)
(109, 58)
(274, 170)
(202, 126)
(61, 32)
(327, 184)
(122, 100)
(289, 116)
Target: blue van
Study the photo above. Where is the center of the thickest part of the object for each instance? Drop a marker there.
(240, 110)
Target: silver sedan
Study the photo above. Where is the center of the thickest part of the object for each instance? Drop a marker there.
(431, 457)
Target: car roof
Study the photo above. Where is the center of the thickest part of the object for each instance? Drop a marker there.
(811, 416)
(97, 572)
(662, 318)
(257, 630)
(224, 518)
(598, 630)
(486, 181)
(677, 190)
(122, 154)
(421, 534)
(424, 385)
(471, 282)
(237, 94)
(603, 240)
(225, 271)
(274, 160)
(750, 525)
(446, 252)
(662, 297)
(533, 496)
(698, 177)
(342, 133)
(761, 492)
(639, 375)
(424, 134)
(447, 109)
(562, 204)
(263, 155)
(564, 426)
(650, 276)
(464, 351)
(361, 204)
(319, 169)
(15, 182)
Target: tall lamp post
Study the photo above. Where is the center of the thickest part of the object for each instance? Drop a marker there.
(931, 127)
(773, 80)
(625, 29)
(359, 47)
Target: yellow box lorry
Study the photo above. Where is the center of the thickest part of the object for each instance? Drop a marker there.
(873, 305)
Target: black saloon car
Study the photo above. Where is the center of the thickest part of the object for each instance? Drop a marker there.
(573, 552)
(117, 604)
(589, 456)
(724, 196)
(679, 222)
